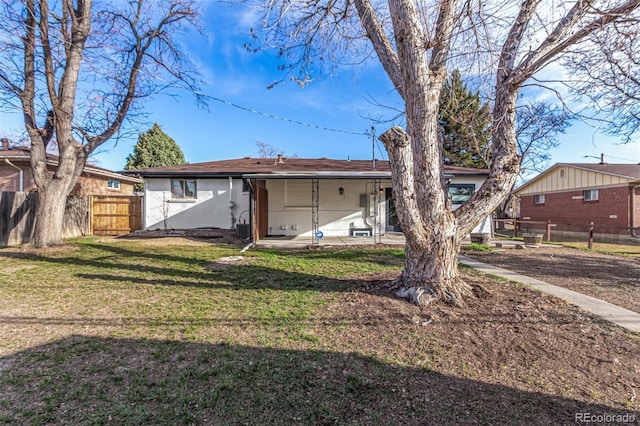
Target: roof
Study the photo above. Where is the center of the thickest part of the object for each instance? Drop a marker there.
(287, 167)
(625, 171)
(629, 171)
(23, 155)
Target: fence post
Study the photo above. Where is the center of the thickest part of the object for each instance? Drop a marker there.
(515, 228)
(590, 235)
(548, 230)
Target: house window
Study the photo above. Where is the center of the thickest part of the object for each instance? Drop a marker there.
(113, 184)
(461, 192)
(561, 173)
(590, 195)
(538, 199)
(246, 186)
(183, 188)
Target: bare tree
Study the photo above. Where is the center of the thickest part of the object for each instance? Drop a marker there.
(269, 151)
(608, 73)
(538, 125)
(416, 42)
(77, 70)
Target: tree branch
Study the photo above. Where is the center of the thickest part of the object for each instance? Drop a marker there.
(381, 44)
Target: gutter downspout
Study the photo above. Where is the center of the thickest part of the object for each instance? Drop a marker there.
(21, 175)
(252, 196)
(231, 203)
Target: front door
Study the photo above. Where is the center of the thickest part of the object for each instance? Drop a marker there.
(393, 224)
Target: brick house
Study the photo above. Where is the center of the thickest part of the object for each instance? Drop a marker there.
(571, 195)
(101, 203)
(15, 175)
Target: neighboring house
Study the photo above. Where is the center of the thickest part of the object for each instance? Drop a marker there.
(15, 175)
(101, 203)
(284, 196)
(571, 195)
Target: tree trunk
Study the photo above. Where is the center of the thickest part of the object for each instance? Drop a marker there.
(431, 272)
(53, 191)
(50, 215)
(431, 230)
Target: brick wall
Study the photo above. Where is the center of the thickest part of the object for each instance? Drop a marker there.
(10, 178)
(564, 208)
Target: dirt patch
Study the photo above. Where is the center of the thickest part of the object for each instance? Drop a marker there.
(508, 335)
(615, 279)
(226, 262)
(186, 236)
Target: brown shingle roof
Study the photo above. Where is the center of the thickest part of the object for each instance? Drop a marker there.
(631, 171)
(22, 154)
(249, 165)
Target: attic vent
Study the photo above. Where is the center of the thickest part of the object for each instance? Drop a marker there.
(562, 173)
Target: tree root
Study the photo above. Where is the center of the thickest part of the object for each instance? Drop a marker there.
(425, 295)
(421, 296)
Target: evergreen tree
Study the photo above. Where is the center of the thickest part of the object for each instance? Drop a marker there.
(155, 149)
(466, 124)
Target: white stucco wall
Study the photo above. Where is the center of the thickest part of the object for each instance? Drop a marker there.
(210, 208)
(338, 213)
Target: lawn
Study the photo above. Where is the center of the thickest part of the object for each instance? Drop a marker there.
(184, 332)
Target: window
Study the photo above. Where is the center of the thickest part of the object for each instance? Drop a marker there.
(461, 192)
(246, 186)
(561, 173)
(183, 188)
(538, 199)
(590, 195)
(113, 184)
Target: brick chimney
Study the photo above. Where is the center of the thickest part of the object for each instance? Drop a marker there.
(5, 143)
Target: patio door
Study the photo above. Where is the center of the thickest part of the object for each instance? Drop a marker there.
(393, 224)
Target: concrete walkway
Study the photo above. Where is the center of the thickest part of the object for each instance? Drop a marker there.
(608, 311)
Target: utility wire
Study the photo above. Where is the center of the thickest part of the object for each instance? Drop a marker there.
(277, 117)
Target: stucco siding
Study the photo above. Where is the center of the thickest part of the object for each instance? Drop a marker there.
(338, 214)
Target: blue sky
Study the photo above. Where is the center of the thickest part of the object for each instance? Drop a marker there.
(343, 102)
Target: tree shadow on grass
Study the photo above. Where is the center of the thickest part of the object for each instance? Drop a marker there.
(89, 380)
(125, 265)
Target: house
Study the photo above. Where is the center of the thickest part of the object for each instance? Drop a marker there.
(281, 196)
(101, 203)
(571, 195)
(15, 175)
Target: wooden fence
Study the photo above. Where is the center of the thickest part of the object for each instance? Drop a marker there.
(102, 215)
(115, 214)
(560, 231)
(18, 217)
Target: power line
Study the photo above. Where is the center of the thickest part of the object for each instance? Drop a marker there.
(277, 117)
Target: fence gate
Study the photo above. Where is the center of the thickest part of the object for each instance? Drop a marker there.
(115, 214)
